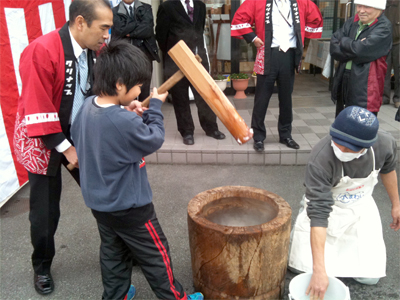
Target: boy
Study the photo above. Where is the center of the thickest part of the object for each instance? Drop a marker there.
(111, 143)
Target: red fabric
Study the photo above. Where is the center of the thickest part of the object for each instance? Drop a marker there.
(376, 83)
(166, 259)
(42, 68)
(252, 12)
(8, 84)
(376, 79)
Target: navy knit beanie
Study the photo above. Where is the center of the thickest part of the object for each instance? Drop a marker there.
(355, 128)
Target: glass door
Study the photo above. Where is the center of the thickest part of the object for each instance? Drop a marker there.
(227, 55)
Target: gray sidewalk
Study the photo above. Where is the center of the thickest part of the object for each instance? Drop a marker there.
(313, 110)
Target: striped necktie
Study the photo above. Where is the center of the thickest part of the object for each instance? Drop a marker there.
(80, 84)
(189, 10)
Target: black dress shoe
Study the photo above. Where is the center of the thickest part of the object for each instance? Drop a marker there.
(258, 146)
(44, 284)
(290, 143)
(218, 135)
(188, 139)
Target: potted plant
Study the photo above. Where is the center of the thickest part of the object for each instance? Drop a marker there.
(220, 80)
(240, 81)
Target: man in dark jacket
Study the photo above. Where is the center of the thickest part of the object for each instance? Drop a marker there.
(361, 47)
(133, 20)
(392, 12)
(184, 20)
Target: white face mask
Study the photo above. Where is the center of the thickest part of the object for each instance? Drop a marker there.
(346, 156)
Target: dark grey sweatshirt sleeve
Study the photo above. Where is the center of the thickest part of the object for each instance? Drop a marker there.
(318, 182)
(318, 191)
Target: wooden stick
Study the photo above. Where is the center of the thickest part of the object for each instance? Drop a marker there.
(211, 93)
(174, 79)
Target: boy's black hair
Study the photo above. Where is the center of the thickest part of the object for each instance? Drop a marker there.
(119, 62)
(87, 9)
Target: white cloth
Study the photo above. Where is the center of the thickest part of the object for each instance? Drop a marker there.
(354, 243)
(283, 35)
(102, 105)
(379, 4)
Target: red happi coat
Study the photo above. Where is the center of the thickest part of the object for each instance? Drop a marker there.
(47, 68)
(307, 21)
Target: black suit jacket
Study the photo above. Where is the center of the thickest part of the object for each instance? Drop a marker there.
(140, 29)
(174, 24)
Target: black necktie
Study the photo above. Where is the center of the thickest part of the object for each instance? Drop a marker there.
(131, 12)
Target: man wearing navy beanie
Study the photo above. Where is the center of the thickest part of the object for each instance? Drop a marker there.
(338, 230)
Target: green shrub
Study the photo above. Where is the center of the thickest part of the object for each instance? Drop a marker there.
(239, 76)
(219, 77)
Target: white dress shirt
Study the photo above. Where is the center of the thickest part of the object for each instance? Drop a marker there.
(128, 5)
(283, 35)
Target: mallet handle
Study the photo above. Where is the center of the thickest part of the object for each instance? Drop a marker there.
(174, 79)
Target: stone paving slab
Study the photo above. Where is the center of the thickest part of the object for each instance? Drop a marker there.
(313, 113)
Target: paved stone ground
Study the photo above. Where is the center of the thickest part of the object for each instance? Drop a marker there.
(313, 113)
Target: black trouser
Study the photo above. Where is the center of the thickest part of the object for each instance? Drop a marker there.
(44, 214)
(146, 244)
(393, 61)
(282, 71)
(145, 89)
(344, 91)
(181, 103)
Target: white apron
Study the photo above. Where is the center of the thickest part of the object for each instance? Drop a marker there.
(354, 243)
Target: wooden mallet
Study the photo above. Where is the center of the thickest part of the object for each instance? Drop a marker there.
(211, 93)
(169, 83)
(190, 67)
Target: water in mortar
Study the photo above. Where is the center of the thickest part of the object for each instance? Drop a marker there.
(239, 212)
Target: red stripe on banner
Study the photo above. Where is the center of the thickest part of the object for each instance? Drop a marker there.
(8, 84)
(32, 19)
(165, 256)
(59, 13)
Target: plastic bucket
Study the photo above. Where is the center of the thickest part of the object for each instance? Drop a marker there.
(336, 289)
